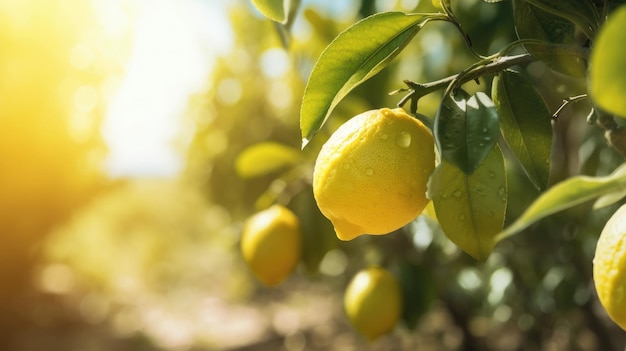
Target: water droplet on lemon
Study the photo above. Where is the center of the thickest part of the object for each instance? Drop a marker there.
(403, 140)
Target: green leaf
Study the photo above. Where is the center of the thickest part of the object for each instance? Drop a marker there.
(607, 77)
(580, 12)
(471, 208)
(526, 125)
(323, 27)
(356, 54)
(568, 193)
(534, 23)
(418, 292)
(609, 199)
(318, 234)
(466, 129)
(272, 9)
(264, 158)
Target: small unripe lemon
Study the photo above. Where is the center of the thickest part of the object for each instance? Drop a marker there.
(271, 244)
(609, 267)
(370, 177)
(373, 302)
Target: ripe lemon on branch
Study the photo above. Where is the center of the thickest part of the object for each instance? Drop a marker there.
(609, 267)
(370, 176)
(271, 244)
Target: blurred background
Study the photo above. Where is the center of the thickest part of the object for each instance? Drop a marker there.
(126, 134)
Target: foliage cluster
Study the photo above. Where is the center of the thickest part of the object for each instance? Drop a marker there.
(514, 128)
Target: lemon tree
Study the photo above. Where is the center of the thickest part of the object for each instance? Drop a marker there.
(521, 131)
(271, 244)
(373, 302)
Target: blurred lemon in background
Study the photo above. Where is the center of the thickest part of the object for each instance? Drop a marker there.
(271, 244)
(373, 302)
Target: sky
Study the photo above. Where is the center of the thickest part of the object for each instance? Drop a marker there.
(174, 47)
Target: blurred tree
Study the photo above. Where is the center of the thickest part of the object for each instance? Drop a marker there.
(527, 295)
(50, 148)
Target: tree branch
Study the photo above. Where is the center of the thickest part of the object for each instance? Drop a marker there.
(614, 133)
(493, 64)
(416, 90)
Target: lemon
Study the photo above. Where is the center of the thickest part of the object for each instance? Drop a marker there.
(370, 176)
(271, 244)
(609, 267)
(373, 302)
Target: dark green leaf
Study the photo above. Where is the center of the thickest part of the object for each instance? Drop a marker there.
(471, 208)
(466, 129)
(264, 158)
(534, 23)
(580, 12)
(272, 9)
(356, 54)
(568, 193)
(526, 125)
(318, 235)
(607, 77)
(418, 291)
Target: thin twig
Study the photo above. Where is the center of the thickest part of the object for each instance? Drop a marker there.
(468, 41)
(567, 102)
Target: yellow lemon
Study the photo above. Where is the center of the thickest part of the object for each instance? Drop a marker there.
(373, 302)
(609, 267)
(370, 176)
(271, 244)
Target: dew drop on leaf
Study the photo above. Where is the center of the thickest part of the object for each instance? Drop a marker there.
(502, 193)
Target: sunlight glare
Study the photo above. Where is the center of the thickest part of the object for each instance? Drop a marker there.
(174, 49)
